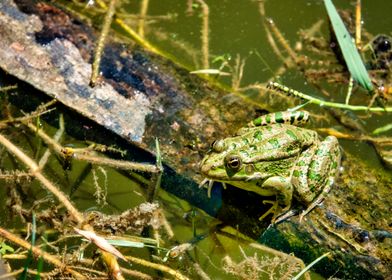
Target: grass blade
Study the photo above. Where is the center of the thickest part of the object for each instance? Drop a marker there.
(310, 265)
(350, 53)
(382, 129)
(30, 258)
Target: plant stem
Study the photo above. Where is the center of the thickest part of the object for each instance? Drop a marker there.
(310, 265)
(138, 39)
(35, 171)
(204, 34)
(101, 42)
(120, 164)
(142, 20)
(160, 267)
(108, 258)
(38, 252)
(289, 91)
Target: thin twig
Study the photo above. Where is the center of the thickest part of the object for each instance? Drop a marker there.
(8, 276)
(156, 179)
(108, 258)
(204, 34)
(159, 267)
(82, 268)
(275, 30)
(138, 39)
(39, 253)
(33, 115)
(349, 90)
(375, 140)
(358, 24)
(7, 88)
(101, 42)
(35, 171)
(136, 274)
(142, 19)
(270, 38)
(56, 138)
(120, 164)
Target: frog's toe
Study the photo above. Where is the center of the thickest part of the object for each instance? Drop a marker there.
(314, 204)
(209, 184)
(280, 214)
(283, 217)
(269, 211)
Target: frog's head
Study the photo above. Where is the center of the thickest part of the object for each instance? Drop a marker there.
(223, 163)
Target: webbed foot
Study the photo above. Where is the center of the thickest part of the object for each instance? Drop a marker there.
(279, 214)
(269, 211)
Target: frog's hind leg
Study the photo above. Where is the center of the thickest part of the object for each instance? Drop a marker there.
(316, 201)
(314, 173)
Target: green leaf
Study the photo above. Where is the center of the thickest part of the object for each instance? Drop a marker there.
(382, 129)
(211, 72)
(350, 53)
(4, 248)
(309, 266)
(125, 243)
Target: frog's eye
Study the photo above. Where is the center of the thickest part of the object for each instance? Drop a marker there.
(218, 146)
(233, 162)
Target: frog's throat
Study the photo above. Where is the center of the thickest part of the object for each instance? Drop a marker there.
(244, 185)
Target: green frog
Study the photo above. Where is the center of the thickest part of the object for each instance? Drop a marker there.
(274, 156)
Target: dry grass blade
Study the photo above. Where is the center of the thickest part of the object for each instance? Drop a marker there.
(350, 53)
(100, 242)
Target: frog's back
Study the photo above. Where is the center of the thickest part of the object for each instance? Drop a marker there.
(271, 142)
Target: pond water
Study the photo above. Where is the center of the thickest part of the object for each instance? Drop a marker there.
(236, 32)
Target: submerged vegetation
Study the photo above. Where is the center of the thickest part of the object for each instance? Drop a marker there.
(59, 189)
(66, 240)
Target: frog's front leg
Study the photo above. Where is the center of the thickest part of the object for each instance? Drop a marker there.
(283, 190)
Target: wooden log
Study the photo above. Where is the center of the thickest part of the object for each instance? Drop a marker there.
(142, 96)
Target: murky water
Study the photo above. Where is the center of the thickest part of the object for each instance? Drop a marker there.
(236, 31)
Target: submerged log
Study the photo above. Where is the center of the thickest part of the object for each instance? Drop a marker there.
(141, 97)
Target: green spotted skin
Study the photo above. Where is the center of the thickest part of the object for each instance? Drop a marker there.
(273, 156)
(294, 118)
